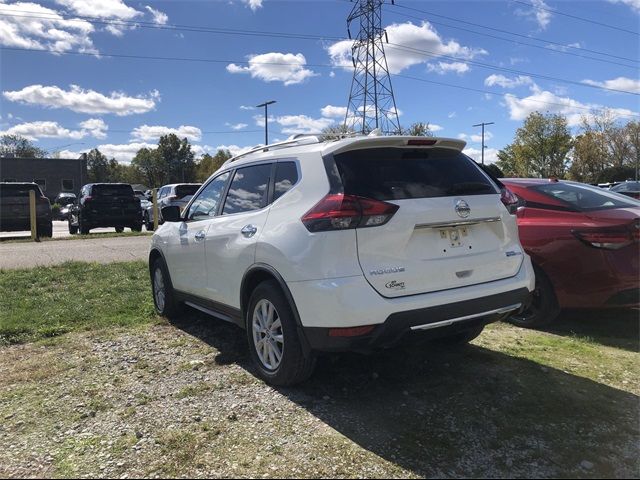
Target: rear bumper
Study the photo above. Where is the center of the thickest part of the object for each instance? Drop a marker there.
(22, 224)
(97, 220)
(432, 322)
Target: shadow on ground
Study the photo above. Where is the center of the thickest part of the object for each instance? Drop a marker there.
(470, 412)
(614, 328)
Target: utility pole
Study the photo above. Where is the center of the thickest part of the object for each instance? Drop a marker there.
(371, 104)
(483, 125)
(266, 120)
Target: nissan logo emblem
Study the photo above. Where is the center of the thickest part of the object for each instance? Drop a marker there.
(462, 209)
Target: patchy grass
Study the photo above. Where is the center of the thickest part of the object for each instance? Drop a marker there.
(77, 237)
(49, 301)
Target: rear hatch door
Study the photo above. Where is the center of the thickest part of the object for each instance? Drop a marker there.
(14, 200)
(114, 199)
(450, 231)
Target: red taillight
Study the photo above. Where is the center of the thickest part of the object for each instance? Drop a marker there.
(609, 238)
(351, 332)
(88, 198)
(509, 199)
(342, 212)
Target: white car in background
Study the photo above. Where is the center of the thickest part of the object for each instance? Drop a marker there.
(315, 246)
(177, 194)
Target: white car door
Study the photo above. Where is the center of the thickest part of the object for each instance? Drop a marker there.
(232, 236)
(185, 251)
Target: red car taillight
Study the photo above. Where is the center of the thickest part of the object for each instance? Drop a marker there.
(509, 199)
(342, 212)
(610, 238)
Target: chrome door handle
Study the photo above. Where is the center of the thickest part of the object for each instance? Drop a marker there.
(200, 236)
(249, 230)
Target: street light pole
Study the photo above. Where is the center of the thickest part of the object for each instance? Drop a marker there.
(483, 147)
(266, 120)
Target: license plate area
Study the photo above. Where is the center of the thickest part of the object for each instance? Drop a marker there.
(455, 237)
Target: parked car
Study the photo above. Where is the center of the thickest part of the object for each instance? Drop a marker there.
(106, 205)
(583, 242)
(65, 200)
(347, 245)
(15, 209)
(628, 188)
(177, 194)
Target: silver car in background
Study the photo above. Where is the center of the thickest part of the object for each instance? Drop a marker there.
(176, 194)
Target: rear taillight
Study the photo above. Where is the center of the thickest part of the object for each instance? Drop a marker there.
(610, 238)
(509, 199)
(342, 212)
(88, 198)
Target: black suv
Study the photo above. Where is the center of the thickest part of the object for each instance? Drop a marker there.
(106, 205)
(14, 209)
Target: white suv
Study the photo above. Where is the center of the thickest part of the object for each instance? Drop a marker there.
(318, 246)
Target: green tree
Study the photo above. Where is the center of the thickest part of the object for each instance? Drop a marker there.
(418, 129)
(151, 168)
(540, 148)
(336, 132)
(209, 164)
(97, 166)
(19, 147)
(177, 159)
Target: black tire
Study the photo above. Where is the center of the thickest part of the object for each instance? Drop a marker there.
(294, 366)
(462, 338)
(136, 228)
(84, 229)
(45, 231)
(544, 307)
(147, 224)
(169, 307)
(119, 229)
(73, 229)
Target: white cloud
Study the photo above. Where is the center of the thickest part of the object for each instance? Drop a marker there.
(420, 44)
(490, 154)
(442, 68)
(507, 82)
(545, 101)
(435, 128)
(37, 130)
(539, 12)
(620, 83)
(331, 111)
(83, 101)
(288, 68)
(293, 124)
(452, 115)
(478, 137)
(253, 4)
(154, 132)
(237, 126)
(125, 152)
(52, 32)
(100, 8)
(233, 149)
(159, 17)
(245, 107)
(633, 4)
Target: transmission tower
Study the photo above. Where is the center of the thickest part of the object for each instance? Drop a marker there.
(371, 101)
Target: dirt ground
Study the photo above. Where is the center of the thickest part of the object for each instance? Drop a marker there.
(181, 400)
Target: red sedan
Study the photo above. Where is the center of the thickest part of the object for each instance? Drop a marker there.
(583, 242)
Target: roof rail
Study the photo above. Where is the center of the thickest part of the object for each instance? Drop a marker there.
(292, 141)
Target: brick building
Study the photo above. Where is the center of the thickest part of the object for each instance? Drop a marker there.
(54, 175)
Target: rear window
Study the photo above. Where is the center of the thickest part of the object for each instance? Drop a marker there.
(627, 187)
(112, 190)
(185, 190)
(18, 190)
(399, 174)
(583, 197)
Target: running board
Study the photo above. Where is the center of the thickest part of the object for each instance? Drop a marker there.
(213, 313)
(446, 323)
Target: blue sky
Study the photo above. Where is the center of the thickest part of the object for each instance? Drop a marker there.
(70, 103)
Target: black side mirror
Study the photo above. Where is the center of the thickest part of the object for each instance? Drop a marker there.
(171, 214)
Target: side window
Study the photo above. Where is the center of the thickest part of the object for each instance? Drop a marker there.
(161, 192)
(286, 177)
(248, 190)
(206, 204)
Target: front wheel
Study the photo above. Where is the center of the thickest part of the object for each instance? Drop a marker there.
(73, 229)
(544, 306)
(119, 229)
(136, 228)
(147, 223)
(274, 344)
(84, 229)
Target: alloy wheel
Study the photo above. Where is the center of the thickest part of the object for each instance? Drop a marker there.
(268, 337)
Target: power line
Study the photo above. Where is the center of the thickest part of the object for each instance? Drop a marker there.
(429, 53)
(205, 60)
(551, 49)
(558, 12)
(516, 34)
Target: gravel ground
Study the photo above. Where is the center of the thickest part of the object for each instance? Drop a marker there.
(181, 400)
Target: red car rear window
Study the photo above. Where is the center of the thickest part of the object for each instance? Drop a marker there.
(584, 198)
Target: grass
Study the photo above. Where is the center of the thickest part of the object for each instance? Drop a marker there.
(46, 302)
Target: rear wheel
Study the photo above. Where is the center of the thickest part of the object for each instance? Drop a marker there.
(73, 229)
(84, 229)
(163, 295)
(272, 333)
(544, 306)
(119, 229)
(45, 231)
(147, 224)
(136, 228)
